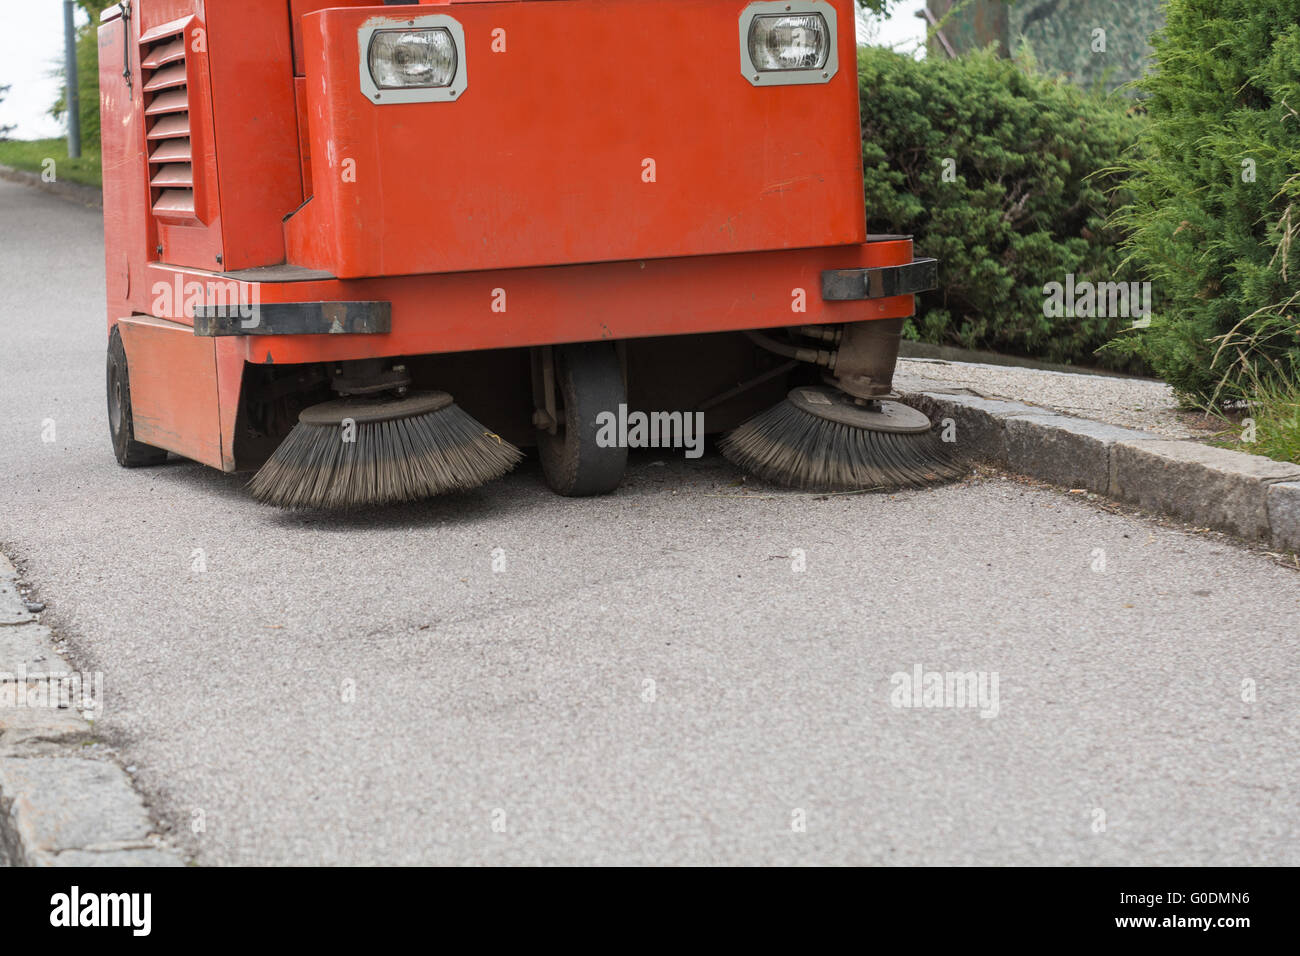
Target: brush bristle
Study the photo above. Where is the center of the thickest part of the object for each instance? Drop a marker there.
(787, 446)
(402, 459)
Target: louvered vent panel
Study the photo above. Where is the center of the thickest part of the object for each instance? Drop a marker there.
(167, 119)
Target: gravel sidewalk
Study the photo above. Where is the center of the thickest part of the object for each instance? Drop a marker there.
(1144, 404)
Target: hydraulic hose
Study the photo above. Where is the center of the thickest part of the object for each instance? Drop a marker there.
(799, 353)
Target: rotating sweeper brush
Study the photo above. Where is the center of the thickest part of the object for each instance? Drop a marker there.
(848, 435)
(820, 439)
(372, 449)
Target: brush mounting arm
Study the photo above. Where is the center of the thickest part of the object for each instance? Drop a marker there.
(868, 353)
(369, 377)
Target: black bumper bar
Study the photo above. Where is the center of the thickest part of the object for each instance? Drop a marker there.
(846, 285)
(295, 318)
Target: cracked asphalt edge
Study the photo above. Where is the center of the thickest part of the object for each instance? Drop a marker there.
(65, 800)
(1247, 496)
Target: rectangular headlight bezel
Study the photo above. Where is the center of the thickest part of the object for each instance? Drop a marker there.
(412, 94)
(760, 77)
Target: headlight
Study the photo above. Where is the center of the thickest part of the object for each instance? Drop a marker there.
(407, 59)
(789, 42)
(412, 60)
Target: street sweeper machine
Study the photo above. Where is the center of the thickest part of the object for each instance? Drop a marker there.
(324, 219)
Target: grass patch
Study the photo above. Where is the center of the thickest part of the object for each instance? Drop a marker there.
(1276, 413)
(31, 155)
(1269, 422)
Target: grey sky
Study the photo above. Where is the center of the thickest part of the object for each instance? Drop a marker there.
(31, 46)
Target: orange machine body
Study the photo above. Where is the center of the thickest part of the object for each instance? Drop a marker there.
(604, 171)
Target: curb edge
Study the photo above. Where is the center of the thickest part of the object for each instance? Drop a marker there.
(59, 806)
(1253, 498)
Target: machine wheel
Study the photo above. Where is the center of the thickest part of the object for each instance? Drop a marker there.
(129, 452)
(588, 381)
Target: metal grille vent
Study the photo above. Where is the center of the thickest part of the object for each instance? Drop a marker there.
(167, 119)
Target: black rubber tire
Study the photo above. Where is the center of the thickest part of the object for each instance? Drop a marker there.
(121, 428)
(589, 380)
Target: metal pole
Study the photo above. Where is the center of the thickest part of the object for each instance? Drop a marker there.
(70, 69)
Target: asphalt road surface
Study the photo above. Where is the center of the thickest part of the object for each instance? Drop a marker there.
(649, 678)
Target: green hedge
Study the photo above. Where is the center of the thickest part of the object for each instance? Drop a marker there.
(1028, 204)
(1216, 241)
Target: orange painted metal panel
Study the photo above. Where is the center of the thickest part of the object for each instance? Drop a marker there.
(254, 118)
(152, 14)
(242, 122)
(299, 7)
(173, 377)
(542, 159)
(128, 227)
(304, 138)
(461, 311)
